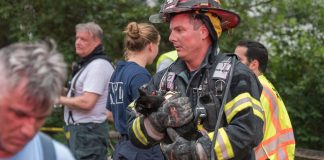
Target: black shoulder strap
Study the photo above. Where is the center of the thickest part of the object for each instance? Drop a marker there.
(98, 57)
(48, 147)
(220, 114)
(101, 57)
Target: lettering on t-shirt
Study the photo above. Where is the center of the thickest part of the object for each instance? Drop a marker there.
(116, 93)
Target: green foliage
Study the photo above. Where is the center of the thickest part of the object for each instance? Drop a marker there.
(292, 30)
(56, 121)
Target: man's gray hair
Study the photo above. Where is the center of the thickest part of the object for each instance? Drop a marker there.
(91, 27)
(40, 65)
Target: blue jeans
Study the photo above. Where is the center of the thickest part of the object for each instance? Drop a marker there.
(88, 140)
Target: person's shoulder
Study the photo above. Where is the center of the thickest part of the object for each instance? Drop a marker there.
(241, 71)
(101, 62)
(62, 152)
(134, 68)
(266, 82)
(226, 58)
(100, 67)
(162, 70)
(128, 70)
(158, 76)
(240, 68)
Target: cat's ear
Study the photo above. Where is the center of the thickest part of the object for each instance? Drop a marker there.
(143, 90)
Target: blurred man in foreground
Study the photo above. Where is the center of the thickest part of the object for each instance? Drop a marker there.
(31, 80)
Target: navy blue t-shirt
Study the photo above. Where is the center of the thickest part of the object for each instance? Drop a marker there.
(123, 89)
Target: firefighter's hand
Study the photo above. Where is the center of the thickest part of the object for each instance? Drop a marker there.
(203, 148)
(180, 148)
(175, 112)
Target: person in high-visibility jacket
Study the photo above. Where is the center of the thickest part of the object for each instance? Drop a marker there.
(165, 60)
(278, 141)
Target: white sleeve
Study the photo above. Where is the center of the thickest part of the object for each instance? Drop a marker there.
(62, 152)
(98, 75)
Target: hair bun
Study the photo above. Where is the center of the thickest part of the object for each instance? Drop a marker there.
(133, 30)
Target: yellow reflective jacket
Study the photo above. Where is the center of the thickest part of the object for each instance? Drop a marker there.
(278, 142)
(172, 55)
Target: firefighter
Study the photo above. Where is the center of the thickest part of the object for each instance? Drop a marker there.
(278, 141)
(214, 112)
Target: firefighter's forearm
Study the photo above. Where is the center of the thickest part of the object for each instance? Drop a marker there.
(139, 136)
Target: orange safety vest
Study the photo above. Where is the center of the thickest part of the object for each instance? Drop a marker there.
(278, 142)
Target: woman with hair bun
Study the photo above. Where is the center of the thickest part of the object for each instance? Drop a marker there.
(141, 45)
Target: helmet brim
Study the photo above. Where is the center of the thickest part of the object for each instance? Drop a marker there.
(228, 19)
(156, 18)
(160, 18)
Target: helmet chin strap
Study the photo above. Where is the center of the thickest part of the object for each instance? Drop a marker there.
(205, 19)
(211, 30)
